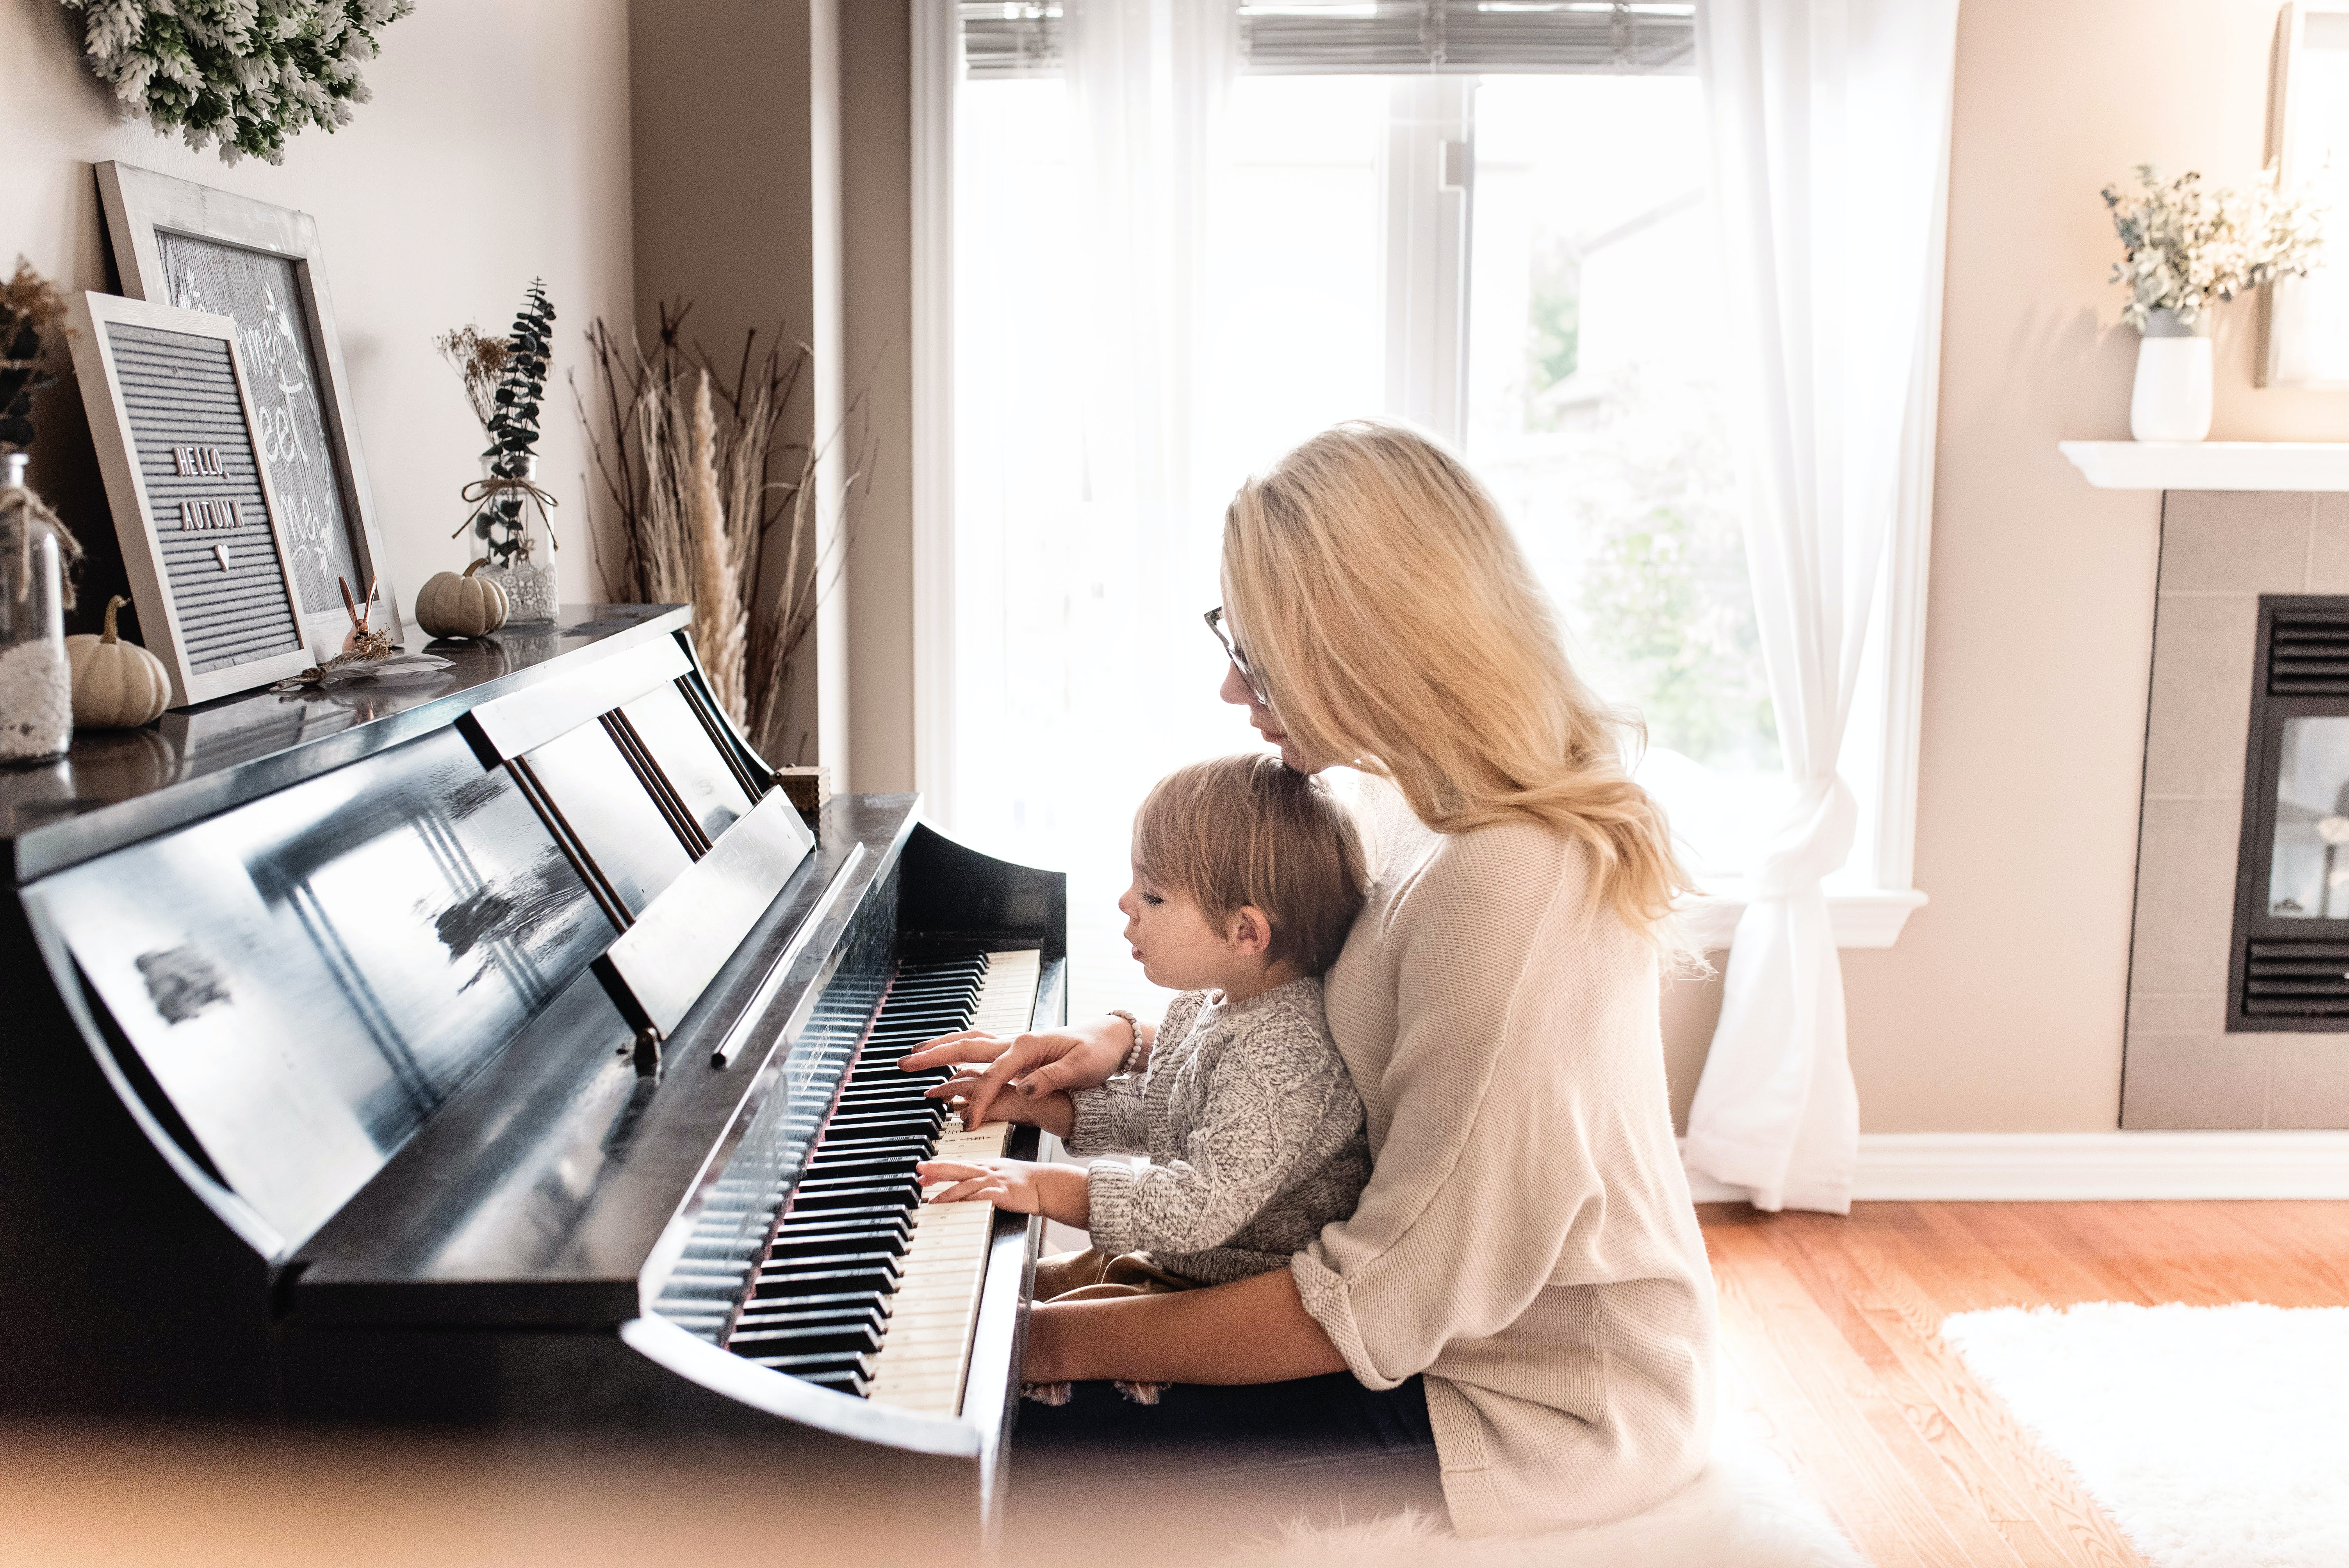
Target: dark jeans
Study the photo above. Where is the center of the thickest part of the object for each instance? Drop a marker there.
(1234, 1461)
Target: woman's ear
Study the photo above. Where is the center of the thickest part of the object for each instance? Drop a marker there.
(1251, 931)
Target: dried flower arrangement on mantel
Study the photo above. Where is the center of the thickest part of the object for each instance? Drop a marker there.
(685, 450)
(2188, 246)
(244, 73)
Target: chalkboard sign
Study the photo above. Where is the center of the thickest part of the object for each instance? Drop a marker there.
(180, 243)
(261, 293)
(178, 439)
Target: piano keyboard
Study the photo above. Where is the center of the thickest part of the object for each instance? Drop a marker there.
(864, 1288)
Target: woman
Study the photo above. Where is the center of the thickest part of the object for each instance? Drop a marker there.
(1524, 1280)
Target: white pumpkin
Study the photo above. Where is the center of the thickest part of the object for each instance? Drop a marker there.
(466, 606)
(116, 685)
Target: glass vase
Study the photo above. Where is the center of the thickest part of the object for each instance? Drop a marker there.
(528, 576)
(35, 681)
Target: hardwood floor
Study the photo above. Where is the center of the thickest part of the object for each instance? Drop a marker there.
(1833, 1350)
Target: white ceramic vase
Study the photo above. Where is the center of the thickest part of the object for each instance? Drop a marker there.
(2171, 400)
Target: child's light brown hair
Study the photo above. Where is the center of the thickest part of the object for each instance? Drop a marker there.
(1246, 829)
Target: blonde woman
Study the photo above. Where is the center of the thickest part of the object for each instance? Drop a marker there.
(1521, 1300)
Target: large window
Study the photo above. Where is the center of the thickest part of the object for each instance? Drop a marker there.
(1526, 263)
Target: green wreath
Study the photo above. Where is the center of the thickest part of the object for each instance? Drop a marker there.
(245, 73)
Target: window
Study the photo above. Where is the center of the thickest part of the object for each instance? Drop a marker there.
(1524, 262)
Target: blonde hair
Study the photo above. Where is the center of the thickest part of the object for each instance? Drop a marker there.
(1385, 602)
(1248, 831)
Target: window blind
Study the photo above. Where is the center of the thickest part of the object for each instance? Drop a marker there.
(1003, 38)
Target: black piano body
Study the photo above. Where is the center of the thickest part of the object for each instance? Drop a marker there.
(387, 1056)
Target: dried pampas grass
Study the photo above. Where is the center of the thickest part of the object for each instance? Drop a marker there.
(686, 458)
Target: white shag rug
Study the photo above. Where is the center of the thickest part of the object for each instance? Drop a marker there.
(2215, 1437)
(1743, 1512)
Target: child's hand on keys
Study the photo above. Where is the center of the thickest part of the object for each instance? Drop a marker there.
(1056, 1191)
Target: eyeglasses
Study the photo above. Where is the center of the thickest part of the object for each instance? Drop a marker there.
(1240, 659)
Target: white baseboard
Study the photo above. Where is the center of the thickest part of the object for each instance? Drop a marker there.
(2013, 1167)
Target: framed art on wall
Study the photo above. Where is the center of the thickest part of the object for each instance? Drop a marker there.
(2304, 322)
(179, 243)
(181, 442)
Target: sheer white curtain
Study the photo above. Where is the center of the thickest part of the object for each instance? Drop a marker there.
(1086, 529)
(1830, 140)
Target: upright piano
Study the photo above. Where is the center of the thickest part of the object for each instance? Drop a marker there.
(505, 1053)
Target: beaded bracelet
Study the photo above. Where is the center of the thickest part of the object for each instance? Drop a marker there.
(1133, 1060)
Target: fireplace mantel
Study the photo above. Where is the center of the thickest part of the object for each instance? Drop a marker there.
(2211, 465)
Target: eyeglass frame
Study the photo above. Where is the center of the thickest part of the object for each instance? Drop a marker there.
(1232, 650)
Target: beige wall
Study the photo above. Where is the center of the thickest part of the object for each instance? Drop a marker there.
(496, 148)
(724, 168)
(876, 151)
(2001, 1008)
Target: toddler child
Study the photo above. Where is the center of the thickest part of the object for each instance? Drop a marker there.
(1246, 877)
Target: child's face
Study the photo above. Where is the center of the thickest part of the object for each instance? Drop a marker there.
(1177, 945)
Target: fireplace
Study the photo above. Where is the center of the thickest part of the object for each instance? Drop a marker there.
(2289, 959)
(2239, 949)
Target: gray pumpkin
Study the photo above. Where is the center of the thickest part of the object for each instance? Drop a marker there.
(466, 606)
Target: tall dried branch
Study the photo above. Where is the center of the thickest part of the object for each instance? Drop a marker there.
(704, 492)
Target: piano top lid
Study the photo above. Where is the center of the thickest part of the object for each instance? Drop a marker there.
(118, 787)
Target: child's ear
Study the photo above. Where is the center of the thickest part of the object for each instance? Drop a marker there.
(1251, 932)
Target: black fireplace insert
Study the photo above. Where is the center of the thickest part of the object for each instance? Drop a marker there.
(2289, 965)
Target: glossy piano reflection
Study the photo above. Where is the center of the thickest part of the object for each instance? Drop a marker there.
(309, 978)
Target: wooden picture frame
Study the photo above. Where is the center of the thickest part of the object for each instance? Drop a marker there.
(181, 444)
(2304, 322)
(176, 242)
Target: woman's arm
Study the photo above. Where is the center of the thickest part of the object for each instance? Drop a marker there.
(1254, 1330)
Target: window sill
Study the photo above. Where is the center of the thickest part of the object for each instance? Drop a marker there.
(1870, 918)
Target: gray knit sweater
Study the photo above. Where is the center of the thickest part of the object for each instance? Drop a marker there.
(1254, 1134)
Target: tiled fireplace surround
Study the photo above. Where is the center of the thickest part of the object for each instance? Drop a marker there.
(2220, 550)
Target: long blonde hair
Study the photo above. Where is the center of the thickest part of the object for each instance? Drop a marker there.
(1376, 586)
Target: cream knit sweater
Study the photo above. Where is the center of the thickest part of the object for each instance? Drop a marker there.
(1526, 1239)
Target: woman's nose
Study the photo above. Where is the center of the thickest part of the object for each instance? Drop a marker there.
(1234, 689)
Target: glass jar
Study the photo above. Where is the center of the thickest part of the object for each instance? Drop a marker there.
(35, 681)
(529, 579)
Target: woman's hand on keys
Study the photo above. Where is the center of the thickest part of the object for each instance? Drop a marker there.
(1032, 1066)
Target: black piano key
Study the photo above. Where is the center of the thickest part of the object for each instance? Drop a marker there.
(922, 1138)
(853, 1383)
(873, 1147)
(878, 1213)
(872, 1165)
(824, 1281)
(906, 1192)
(920, 1113)
(834, 1363)
(879, 1301)
(914, 1125)
(816, 1339)
(863, 1241)
(890, 1221)
(817, 1186)
(791, 1316)
(867, 1097)
(832, 1260)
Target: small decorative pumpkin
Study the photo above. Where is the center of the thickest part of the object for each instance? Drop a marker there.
(466, 606)
(116, 685)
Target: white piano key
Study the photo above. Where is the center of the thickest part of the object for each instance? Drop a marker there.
(925, 1354)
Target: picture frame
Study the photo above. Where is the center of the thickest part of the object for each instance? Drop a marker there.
(2304, 322)
(176, 242)
(182, 448)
